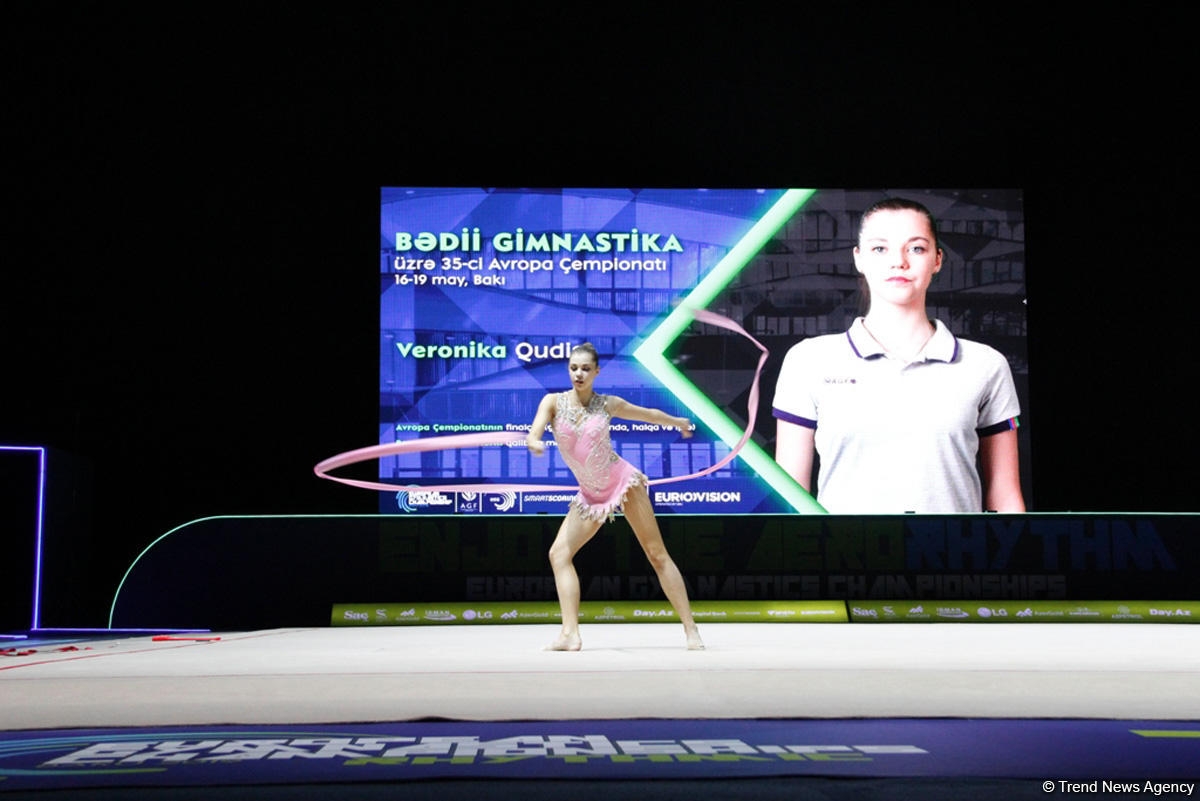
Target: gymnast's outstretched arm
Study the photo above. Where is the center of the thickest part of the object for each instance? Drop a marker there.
(545, 414)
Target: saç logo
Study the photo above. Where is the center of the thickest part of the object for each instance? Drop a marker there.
(507, 501)
(348, 615)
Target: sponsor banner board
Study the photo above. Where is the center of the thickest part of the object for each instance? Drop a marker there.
(1024, 611)
(424, 614)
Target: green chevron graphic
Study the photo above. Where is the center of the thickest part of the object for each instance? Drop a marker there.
(650, 352)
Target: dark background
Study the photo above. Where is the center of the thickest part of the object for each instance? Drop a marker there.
(188, 294)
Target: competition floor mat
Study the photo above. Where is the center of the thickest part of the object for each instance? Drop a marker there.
(841, 712)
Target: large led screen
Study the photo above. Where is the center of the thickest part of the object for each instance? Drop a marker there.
(485, 291)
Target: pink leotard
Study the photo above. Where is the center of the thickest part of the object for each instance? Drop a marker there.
(583, 440)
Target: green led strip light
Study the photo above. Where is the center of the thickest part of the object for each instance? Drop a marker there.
(650, 352)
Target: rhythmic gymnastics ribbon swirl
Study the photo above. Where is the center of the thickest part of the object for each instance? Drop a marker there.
(323, 468)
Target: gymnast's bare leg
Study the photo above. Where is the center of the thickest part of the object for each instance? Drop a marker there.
(640, 514)
(573, 534)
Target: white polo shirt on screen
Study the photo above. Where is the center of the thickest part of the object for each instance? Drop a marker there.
(896, 436)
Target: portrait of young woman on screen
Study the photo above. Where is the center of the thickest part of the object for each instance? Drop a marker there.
(897, 413)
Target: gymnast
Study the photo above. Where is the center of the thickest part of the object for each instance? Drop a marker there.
(579, 419)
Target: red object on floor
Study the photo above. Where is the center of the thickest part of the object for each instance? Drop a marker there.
(165, 638)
